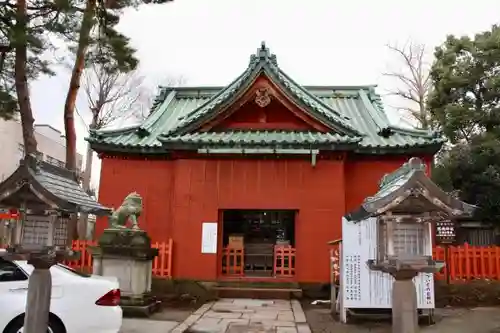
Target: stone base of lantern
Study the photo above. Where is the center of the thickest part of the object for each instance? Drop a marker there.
(127, 255)
(404, 303)
(404, 294)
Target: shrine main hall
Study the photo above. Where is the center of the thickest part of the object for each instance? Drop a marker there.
(266, 164)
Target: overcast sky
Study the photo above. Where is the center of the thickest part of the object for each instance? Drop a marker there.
(317, 42)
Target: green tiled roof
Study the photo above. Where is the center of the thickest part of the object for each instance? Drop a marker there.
(354, 113)
(261, 138)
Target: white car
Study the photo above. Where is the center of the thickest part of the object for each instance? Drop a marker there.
(80, 303)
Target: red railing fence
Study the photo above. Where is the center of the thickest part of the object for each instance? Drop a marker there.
(467, 262)
(284, 261)
(161, 266)
(84, 263)
(233, 261)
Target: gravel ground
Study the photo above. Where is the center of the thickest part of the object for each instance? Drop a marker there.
(448, 320)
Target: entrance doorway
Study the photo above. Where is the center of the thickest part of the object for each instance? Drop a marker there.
(258, 233)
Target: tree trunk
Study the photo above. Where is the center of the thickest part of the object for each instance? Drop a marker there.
(22, 88)
(74, 85)
(424, 119)
(87, 175)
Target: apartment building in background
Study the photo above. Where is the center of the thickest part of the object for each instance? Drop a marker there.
(51, 146)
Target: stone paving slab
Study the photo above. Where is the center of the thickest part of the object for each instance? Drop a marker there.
(247, 316)
(130, 325)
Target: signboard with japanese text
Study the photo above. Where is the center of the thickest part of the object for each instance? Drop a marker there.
(445, 232)
(209, 237)
(363, 287)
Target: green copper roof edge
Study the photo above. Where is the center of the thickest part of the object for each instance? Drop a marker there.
(381, 124)
(337, 119)
(428, 147)
(112, 132)
(417, 132)
(342, 146)
(158, 112)
(211, 103)
(168, 147)
(311, 96)
(132, 150)
(200, 138)
(352, 148)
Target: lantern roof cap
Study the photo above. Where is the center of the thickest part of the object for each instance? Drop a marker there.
(408, 189)
(39, 183)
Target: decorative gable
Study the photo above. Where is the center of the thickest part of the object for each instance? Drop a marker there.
(263, 74)
(264, 107)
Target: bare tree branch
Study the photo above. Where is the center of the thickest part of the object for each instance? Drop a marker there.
(116, 97)
(413, 80)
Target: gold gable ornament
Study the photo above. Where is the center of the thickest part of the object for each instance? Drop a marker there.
(262, 97)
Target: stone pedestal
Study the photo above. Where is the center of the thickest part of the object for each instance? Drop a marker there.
(127, 255)
(404, 294)
(404, 304)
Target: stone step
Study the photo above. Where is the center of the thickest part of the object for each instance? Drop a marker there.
(258, 293)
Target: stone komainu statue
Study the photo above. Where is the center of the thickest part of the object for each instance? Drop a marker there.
(130, 209)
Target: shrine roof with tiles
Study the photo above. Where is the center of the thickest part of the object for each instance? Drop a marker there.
(350, 118)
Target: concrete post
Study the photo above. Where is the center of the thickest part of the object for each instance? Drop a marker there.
(404, 306)
(38, 300)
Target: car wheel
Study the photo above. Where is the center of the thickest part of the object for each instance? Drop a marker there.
(16, 326)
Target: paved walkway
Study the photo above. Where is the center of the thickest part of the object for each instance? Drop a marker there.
(132, 325)
(247, 316)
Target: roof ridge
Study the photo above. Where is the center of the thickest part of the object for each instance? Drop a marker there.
(412, 165)
(113, 131)
(308, 87)
(415, 131)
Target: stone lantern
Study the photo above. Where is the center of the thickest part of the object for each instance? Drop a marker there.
(404, 241)
(407, 207)
(43, 201)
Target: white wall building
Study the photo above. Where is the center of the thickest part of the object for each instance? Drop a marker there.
(51, 146)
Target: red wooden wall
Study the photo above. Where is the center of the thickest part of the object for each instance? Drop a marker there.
(179, 195)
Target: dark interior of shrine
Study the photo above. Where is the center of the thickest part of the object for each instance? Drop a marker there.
(258, 231)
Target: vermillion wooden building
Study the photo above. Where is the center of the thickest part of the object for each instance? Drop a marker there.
(275, 164)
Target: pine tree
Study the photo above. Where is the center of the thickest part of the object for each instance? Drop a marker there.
(99, 43)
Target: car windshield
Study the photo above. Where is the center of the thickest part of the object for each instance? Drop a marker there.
(73, 271)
